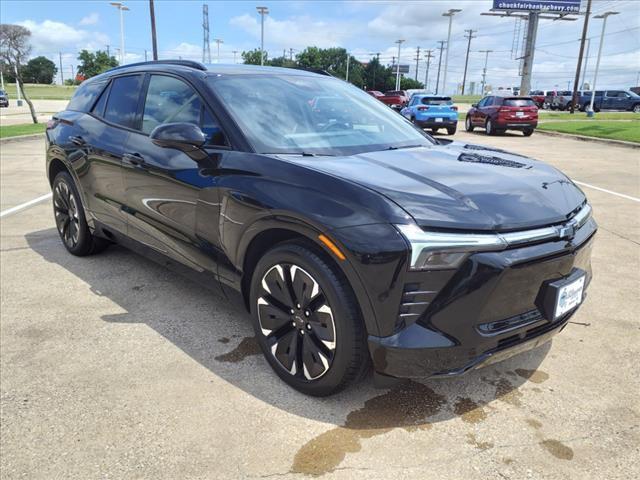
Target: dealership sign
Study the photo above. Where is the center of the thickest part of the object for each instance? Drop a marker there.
(552, 6)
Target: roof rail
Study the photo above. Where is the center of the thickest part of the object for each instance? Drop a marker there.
(184, 63)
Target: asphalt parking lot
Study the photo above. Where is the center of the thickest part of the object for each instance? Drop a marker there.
(113, 367)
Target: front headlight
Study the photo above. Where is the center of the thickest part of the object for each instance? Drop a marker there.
(439, 251)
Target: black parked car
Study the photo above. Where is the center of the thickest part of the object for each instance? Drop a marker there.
(353, 237)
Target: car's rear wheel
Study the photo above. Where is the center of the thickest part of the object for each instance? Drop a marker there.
(434, 130)
(70, 219)
(468, 126)
(489, 127)
(451, 130)
(527, 132)
(307, 320)
(636, 108)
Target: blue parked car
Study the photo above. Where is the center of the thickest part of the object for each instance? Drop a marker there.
(432, 111)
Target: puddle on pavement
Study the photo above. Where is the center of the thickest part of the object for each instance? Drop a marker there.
(469, 410)
(557, 449)
(472, 440)
(248, 346)
(535, 376)
(505, 391)
(407, 406)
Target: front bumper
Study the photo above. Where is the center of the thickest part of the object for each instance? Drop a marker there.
(488, 310)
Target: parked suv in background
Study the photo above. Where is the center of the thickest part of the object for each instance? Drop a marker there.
(432, 111)
(4, 99)
(351, 236)
(538, 96)
(611, 100)
(498, 114)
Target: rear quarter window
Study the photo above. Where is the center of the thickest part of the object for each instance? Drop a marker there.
(85, 96)
(122, 105)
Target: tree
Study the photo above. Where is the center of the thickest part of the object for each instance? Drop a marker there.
(39, 70)
(14, 50)
(93, 64)
(252, 57)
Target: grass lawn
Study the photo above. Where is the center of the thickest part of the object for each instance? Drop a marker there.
(629, 131)
(24, 129)
(544, 115)
(466, 98)
(42, 92)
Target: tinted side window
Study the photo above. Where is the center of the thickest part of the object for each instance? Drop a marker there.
(85, 95)
(123, 100)
(98, 108)
(171, 100)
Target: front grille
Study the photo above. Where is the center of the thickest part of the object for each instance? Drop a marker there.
(415, 300)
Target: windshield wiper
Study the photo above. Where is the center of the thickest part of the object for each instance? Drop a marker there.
(406, 146)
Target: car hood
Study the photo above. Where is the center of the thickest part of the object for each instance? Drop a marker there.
(461, 186)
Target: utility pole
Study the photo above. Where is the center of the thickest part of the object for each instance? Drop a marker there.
(61, 74)
(417, 62)
(576, 80)
(206, 45)
(450, 13)
(234, 55)
(529, 51)
(347, 75)
(586, 61)
(399, 42)
(73, 75)
(291, 54)
(441, 47)
(154, 42)
(602, 16)
(218, 42)
(122, 8)
(145, 54)
(108, 50)
(484, 72)
(262, 11)
(428, 56)
(466, 61)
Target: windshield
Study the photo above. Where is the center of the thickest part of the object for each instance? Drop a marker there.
(437, 101)
(312, 115)
(518, 102)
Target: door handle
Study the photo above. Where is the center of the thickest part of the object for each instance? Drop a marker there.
(134, 159)
(77, 140)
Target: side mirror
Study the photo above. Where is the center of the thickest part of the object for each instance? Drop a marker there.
(474, 105)
(185, 137)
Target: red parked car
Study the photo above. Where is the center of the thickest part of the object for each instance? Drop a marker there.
(375, 94)
(498, 114)
(396, 99)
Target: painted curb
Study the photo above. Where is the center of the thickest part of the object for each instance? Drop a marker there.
(17, 138)
(617, 143)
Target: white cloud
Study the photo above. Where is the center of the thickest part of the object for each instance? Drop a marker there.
(49, 36)
(90, 19)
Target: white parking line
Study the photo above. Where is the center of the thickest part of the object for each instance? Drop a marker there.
(22, 206)
(628, 197)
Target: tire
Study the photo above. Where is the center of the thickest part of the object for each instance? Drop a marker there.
(324, 329)
(452, 130)
(434, 130)
(528, 132)
(489, 127)
(70, 219)
(468, 126)
(636, 108)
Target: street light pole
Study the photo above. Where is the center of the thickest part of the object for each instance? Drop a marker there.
(466, 61)
(428, 56)
(441, 47)
(218, 42)
(603, 16)
(399, 42)
(484, 72)
(586, 60)
(450, 14)
(347, 75)
(262, 11)
(122, 8)
(234, 55)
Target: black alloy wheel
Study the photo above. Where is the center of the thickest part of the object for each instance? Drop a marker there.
(307, 320)
(70, 218)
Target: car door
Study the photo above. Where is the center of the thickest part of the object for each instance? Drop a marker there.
(166, 188)
(484, 110)
(475, 112)
(102, 134)
(610, 101)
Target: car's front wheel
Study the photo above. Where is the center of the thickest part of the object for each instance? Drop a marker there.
(636, 108)
(307, 320)
(70, 218)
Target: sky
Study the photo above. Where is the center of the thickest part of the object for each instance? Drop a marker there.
(362, 27)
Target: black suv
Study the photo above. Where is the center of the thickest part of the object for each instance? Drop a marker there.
(353, 237)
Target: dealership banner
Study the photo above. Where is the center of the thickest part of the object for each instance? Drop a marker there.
(553, 6)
